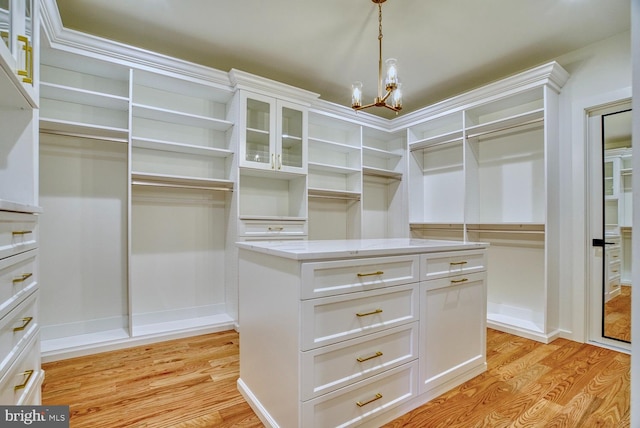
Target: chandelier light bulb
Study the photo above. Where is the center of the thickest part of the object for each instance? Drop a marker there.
(356, 94)
(391, 80)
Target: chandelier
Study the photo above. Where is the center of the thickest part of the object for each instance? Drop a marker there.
(390, 84)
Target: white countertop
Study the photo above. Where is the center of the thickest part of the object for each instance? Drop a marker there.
(332, 249)
(18, 207)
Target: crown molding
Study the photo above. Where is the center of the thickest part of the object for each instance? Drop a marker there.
(108, 50)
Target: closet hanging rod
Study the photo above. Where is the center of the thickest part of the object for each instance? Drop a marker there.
(87, 136)
(345, 198)
(505, 128)
(440, 143)
(181, 186)
(511, 231)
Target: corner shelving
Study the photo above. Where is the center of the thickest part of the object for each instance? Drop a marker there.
(87, 99)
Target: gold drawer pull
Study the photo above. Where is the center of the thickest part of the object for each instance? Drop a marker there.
(457, 263)
(22, 278)
(457, 281)
(377, 311)
(276, 228)
(377, 397)
(21, 232)
(25, 323)
(28, 374)
(371, 274)
(371, 357)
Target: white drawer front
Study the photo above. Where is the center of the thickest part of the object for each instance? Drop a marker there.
(16, 329)
(442, 265)
(355, 404)
(18, 233)
(18, 278)
(331, 367)
(273, 229)
(24, 374)
(330, 320)
(346, 276)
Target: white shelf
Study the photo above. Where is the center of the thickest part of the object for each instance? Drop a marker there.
(165, 180)
(84, 129)
(506, 123)
(332, 145)
(438, 140)
(271, 218)
(333, 194)
(171, 116)
(153, 144)
(332, 168)
(81, 96)
(382, 154)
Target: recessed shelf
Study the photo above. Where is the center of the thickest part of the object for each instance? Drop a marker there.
(506, 123)
(382, 154)
(171, 116)
(332, 168)
(81, 96)
(153, 144)
(438, 140)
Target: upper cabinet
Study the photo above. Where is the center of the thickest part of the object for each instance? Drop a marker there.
(18, 52)
(274, 134)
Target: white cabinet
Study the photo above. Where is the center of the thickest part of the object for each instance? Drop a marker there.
(20, 371)
(351, 334)
(19, 47)
(483, 167)
(274, 134)
(452, 323)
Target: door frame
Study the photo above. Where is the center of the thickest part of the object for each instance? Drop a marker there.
(593, 213)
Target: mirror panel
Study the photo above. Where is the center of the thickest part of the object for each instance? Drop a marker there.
(617, 203)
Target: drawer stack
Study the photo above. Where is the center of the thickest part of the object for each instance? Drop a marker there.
(20, 371)
(359, 338)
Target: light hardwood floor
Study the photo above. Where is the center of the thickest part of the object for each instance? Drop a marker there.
(617, 315)
(192, 383)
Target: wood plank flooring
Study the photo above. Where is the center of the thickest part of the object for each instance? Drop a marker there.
(192, 383)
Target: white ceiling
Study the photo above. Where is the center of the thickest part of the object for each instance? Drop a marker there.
(443, 47)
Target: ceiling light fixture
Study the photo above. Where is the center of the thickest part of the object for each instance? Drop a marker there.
(390, 83)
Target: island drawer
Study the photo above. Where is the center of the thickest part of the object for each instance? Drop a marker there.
(322, 279)
(331, 367)
(442, 265)
(357, 403)
(18, 278)
(18, 233)
(16, 328)
(328, 320)
(17, 385)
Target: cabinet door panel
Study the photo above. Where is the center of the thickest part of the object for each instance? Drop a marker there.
(453, 328)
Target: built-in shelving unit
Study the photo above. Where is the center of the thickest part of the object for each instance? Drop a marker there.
(479, 170)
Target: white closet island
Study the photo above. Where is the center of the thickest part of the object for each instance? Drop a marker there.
(351, 332)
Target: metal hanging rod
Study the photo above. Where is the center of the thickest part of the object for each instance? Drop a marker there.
(180, 186)
(80, 135)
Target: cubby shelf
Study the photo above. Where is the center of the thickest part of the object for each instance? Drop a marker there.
(84, 129)
(166, 180)
(172, 116)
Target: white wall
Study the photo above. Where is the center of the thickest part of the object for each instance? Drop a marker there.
(598, 69)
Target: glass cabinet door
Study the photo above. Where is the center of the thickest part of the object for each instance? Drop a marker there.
(259, 138)
(292, 138)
